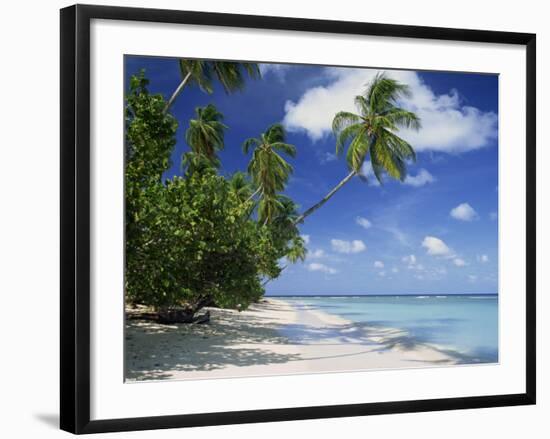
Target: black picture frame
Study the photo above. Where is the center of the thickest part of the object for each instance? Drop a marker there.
(75, 217)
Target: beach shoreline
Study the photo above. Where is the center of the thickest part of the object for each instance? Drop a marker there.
(273, 337)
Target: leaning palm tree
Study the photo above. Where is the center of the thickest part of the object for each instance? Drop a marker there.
(205, 134)
(268, 169)
(373, 132)
(202, 73)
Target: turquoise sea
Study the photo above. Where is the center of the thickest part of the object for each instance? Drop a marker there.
(466, 325)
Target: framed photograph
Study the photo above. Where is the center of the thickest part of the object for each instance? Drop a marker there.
(268, 219)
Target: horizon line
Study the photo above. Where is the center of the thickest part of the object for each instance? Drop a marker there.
(380, 294)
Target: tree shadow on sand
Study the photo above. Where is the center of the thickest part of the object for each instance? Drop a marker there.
(155, 351)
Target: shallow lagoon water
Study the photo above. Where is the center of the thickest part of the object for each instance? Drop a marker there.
(464, 324)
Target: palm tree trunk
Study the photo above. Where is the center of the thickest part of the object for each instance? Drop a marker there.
(325, 199)
(254, 194)
(177, 92)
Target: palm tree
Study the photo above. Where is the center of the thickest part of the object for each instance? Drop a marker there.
(286, 234)
(372, 132)
(240, 186)
(206, 133)
(202, 73)
(268, 169)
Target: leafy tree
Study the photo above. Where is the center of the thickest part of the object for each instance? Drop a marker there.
(202, 73)
(268, 169)
(150, 139)
(372, 132)
(201, 247)
(190, 241)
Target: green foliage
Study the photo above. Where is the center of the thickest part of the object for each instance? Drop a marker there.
(373, 130)
(269, 170)
(200, 245)
(205, 134)
(191, 240)
(231, 75)
(150, 139)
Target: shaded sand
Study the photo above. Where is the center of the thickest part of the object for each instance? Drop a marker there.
(270, 338)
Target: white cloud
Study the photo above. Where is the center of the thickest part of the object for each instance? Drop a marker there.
(397, 233)
(395, 270)
(493, 216)
(382, 273)
(305, 238)
(412, 263)
(315, 266)
(482, 258)
(378, 264)
(316, 254)
(363, 222)
(464, 212)
(436, 247)
(423, 177)
(278, 70)
(459, 262)
(355, 246)
(472, 278)
(447, 124)
(326, 157)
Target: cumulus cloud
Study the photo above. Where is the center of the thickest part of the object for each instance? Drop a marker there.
(316, 254)
(305, 238)
(395, 270)
(464, 212)
(316, 266)
(378, 264)
(355, 246)
(423, 177)
(472, 278)
(459, 262)
(363, 222)
(448, 125)
(482, 258)
(436, 247)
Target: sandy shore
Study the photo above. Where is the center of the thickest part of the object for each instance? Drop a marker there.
(270, 338)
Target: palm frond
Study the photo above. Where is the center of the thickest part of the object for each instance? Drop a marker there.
(288, 149)
(403, 118)
(385, 158)
(343, 119)
(345, 134)
(383, 92)
(275, 133)
(250, 143)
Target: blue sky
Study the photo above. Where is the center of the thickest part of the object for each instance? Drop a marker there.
(436, 233)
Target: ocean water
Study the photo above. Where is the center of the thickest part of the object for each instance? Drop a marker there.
(466, 325)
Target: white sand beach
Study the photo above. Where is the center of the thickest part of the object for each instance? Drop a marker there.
(270, 338)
